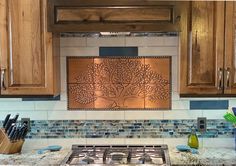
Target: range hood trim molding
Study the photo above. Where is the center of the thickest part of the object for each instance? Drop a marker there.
(62, 19)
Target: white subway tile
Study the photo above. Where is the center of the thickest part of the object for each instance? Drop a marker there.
(63, 74)
(144, 141)
(9, 100)
(50, 105)
(214, 114)
(174, 87)
(105, 115)
(171, 41)
(175, 96)
(143, 115)
(106, 41)
(80, 51)
(17, 106)
(144, 41)
(66, 115)
(67, 143)
(218, 142)
(232, 103)
(182, 114)
(72, 41)
(105, 141)
(33, 115)
(63, 96)
(158, 51)
(180, 105)
(199, 98)
(174, 73)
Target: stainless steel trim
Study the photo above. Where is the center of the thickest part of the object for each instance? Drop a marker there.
(227, 75)
(3, 87)
(220, 78)
(80, 148)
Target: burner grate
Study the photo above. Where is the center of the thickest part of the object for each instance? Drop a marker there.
(118, 155)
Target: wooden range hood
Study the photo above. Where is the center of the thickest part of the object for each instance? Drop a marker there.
(113, 16)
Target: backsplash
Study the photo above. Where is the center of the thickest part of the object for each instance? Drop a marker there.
(52, 117)
(126, 129)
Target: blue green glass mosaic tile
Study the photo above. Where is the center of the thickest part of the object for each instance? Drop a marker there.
(126, 129)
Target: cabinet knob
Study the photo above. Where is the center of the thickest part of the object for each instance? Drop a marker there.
(3, 87)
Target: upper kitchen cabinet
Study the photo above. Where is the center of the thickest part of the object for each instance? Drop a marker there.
(112, 16)
(230, 48)
(29, 55)
(202, 70)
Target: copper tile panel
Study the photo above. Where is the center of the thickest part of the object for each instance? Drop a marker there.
(157, 96)
(80, 70)
(119, 83)
(81, 96)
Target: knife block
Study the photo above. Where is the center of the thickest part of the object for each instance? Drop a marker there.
(7, 146)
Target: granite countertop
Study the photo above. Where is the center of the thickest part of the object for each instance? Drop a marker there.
(206, 156)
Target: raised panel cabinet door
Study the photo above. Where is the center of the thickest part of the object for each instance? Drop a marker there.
(230, 49)
(202, 48)
(27, 61)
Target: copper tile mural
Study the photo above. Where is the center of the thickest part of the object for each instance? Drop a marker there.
(119, 83)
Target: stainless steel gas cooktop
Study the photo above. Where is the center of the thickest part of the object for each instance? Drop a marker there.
(118, 155)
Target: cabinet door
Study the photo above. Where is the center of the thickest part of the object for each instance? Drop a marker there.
(202, 48)
(230, 49)
(26, 49)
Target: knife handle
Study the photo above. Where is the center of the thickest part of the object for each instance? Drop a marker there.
(6, 120)
(11, 135)
(15, 118)
(16, 134)
(24, 133)
(8, 125)
(10, 129)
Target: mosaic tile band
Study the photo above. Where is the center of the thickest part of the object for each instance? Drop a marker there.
(126, 129)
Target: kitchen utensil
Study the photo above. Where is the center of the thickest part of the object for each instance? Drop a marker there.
(8, 125)
(10, 129)
(24, 133)
(16, 134)
(183, 148)
(7, 146)
(12, 133)
(6, 120)
(15, 118)
(51, 148)
(230, 118)
(234, 110)
(21, 131)
(186, 148)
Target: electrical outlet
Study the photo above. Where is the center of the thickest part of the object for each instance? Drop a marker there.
(27, 120)
(201, 124)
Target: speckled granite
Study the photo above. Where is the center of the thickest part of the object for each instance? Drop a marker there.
(207, 156)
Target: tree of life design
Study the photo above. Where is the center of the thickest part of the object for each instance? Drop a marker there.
(117, 80)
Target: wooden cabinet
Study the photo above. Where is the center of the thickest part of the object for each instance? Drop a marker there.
(230, 48)
(29, 55)
(112, 16)
(206, 54)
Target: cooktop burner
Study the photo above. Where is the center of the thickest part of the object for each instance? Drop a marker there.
(118, 155)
